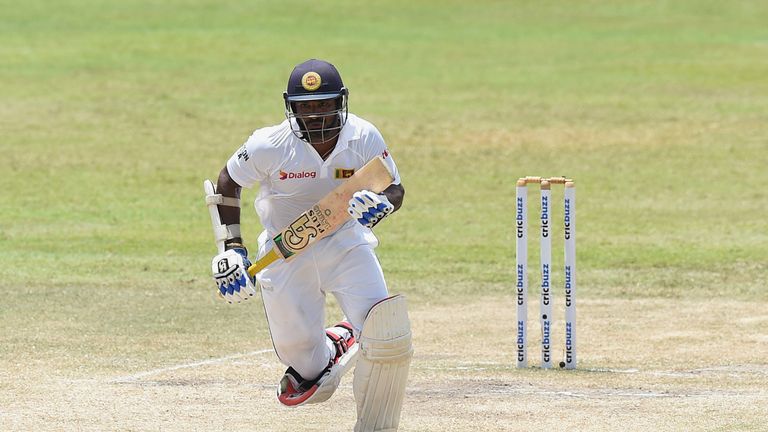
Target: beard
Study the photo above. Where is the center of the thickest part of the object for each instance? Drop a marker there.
(320, 131)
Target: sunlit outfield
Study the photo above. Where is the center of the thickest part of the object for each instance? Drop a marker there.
(113, 113)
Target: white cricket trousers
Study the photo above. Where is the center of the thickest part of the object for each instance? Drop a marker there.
(293, 293)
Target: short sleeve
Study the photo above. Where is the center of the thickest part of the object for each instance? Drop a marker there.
(250, 163)
(375, 146)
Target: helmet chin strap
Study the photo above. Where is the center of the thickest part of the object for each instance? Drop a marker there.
(299, 127)
(333, 130)
(323, 139)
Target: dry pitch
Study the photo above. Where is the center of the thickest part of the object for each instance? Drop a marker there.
(111, 117)
(644, 365)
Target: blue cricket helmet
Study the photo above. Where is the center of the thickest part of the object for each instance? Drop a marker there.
(315, 80)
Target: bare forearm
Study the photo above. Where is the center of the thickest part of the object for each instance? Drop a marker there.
(395, 194)
(228, 188)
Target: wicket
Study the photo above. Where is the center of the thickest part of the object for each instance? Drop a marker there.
(545, 304)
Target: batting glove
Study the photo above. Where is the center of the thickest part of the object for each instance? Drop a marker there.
(230, 272)
(369, 208)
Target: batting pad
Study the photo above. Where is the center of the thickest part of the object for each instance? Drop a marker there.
(382, 366)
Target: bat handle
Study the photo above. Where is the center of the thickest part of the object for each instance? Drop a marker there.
(264, 261)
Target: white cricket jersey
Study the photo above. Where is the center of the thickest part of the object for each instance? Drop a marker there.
(293, 177)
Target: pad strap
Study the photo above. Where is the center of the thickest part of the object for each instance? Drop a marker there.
(219, 199)
(221, 232)
(233, 231)
(226, 232)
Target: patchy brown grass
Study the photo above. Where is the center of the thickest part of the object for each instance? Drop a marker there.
(644, 365)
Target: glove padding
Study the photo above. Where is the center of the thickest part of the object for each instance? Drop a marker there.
(230, 272)
(369, 208)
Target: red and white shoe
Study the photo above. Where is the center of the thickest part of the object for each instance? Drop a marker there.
(294, 390)
(343, 338)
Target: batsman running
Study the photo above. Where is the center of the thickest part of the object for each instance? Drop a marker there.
(325, 178)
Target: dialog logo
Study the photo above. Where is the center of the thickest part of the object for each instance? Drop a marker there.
(297, 175)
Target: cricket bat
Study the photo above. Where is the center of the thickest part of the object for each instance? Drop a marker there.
(325, 216)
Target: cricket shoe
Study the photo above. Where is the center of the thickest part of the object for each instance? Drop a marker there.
(295, 390)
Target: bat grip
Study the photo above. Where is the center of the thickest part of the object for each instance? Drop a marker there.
(262, 262)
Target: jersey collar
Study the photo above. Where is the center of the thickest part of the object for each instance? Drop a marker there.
(350, 132)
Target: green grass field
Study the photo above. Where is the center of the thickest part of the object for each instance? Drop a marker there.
(113, 113)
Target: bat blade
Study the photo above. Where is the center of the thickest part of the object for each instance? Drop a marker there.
(327, 215)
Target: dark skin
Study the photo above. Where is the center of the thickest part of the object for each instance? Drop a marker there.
(229, 188)
(305, 112)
